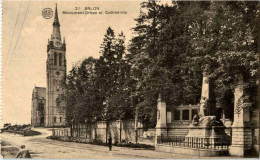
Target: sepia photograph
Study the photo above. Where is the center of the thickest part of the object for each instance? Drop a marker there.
(133, 79)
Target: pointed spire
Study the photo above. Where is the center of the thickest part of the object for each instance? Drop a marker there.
(56, 18)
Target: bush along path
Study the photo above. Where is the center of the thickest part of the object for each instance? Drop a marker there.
(99, 142)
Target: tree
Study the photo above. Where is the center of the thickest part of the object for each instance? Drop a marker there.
(174, 45)
(92, 82)
(226, 44)
(160, 60)
(83, 100)
(112, 72)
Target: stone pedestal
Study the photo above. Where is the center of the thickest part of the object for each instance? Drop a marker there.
(209, 133)
(161, 125)
(241, 141)
(208, 127)
(241, 128)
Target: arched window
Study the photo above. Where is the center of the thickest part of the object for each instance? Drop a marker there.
(60, 59)
(54, 119)
(55, 58)
(60, 119)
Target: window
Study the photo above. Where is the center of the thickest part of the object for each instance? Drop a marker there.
(176, 115)
(55, 58)
(60, 119)
(54, 119)
(185, 115)
(60, 59)
(40, 109)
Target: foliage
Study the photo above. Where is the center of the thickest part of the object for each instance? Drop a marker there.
(96, 89)
(112, 76)
(82, 96)
(134, 145)
(172, 47)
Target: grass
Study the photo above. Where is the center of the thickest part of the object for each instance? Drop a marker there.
(25, 133)
(7, 150)
(31, 133)
(4, 143)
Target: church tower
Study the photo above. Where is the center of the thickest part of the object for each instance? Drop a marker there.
(56, 72)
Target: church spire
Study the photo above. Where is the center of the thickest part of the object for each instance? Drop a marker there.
(56, 18)
(56, 36)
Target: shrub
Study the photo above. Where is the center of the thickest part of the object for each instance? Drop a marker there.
(133, 145)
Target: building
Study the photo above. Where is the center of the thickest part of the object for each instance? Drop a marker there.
(45, 111)
(38, 105)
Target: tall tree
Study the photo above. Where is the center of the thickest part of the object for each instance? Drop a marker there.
(83, 100)
(171, 51)
(112, 71)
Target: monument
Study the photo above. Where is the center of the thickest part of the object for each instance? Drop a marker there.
(161, 126)
(241, 128)
(207, 125)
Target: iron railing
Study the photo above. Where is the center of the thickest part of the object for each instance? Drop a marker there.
(195, 142)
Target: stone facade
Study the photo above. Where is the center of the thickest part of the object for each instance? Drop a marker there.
(161, 126)
(38, 105)
(51, 115)
(245, 125)
(56, 72)
(208, 98)
(241, 128)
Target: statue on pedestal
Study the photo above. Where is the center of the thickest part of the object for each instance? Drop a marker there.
(207, 123)
(195, 120)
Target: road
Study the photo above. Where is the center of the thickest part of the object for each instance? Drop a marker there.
(41, 147)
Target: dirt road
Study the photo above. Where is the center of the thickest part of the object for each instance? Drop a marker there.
(40, 147)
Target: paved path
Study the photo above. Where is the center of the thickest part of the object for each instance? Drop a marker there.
(40, 147)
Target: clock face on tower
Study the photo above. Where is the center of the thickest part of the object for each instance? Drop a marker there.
(57, 43)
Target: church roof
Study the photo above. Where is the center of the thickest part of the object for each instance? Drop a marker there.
(40, 91)
(56, 18)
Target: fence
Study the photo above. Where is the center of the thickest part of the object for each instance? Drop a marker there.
(195, 142)
(120, 131)
(61, 132)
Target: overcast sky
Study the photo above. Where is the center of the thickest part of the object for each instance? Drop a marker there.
(26, 63)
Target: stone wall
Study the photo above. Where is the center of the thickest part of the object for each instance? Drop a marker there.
(119, 130)
(255, 126)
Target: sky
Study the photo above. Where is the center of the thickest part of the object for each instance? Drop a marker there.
(24, 45)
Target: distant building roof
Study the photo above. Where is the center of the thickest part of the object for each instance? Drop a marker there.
(41, 92)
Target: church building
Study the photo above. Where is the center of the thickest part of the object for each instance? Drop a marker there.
(44, 109)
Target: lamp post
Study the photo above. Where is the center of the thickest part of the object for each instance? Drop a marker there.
(136, 117)
(71, 128)
(136, 125)
(86, 122)
(105, 115)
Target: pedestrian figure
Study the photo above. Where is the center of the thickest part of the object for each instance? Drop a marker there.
(110, 143)
(23, 153)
